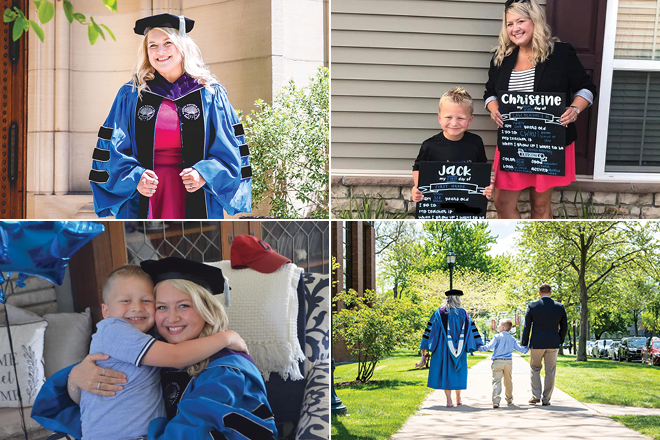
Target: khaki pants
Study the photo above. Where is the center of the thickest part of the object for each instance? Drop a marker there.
(502, 369)
(549, 358)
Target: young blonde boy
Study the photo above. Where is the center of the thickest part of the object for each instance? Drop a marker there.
(128, 310)
(503, 345)
(454, 143)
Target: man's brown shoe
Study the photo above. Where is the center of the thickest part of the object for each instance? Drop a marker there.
(534, 400)
(546, 403)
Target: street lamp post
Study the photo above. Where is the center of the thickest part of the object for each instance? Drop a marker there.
(451, 262)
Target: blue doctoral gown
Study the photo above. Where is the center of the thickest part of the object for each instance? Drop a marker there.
(212, 143)
(449, 372)
(227, 399)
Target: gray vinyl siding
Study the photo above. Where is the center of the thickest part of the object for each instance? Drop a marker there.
(391, 60)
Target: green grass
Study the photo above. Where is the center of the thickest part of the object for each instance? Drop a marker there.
(647, 425)
(378, 410)
(609, 382)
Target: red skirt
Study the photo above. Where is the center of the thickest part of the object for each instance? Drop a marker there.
(511, 181)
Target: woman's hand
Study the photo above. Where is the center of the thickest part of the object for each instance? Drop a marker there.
(236, 342)
(192, 180)
(569, 116)
(96, 380)
(488, 191)
(494, 109)
(148, 183)
(417, 195)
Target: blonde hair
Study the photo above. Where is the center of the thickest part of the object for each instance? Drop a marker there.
(506, 323)
(125, 271)
(191, 59)
(457, 95)
(452, 302)
(543, 43)
(208, 307)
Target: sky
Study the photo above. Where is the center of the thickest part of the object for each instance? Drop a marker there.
(506, 232)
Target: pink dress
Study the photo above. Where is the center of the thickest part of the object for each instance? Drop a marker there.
(511, 181)
(169, 200)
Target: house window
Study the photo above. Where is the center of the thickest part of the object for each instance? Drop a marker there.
(305, 243)
(192, 240)
(628, 139)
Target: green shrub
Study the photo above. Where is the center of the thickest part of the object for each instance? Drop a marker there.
(289, 147)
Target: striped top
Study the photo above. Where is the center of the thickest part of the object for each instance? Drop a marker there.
(522, 81)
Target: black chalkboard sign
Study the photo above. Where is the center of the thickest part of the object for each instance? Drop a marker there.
(453, 190)
(532, 139)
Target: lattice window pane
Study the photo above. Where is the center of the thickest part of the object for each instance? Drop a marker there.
(305, 243)
(151, 240)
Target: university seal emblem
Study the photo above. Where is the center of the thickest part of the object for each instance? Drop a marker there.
(190, 111)
(146, 112)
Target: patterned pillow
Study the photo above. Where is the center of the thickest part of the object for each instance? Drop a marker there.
(315, 412)
(28, 343)
(317, 295)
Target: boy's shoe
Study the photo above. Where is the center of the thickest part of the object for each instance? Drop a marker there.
(495, 405)
(534, 400)
(510, 402)
(546, 403)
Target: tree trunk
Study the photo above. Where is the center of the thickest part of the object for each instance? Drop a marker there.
(584, 316)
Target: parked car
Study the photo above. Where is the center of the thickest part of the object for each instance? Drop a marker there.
(613, 351)
(600, 347)
(651, 352)
(631, 349)
(590, 346)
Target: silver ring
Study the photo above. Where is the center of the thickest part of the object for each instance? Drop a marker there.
(191, 186)
(98, 387)
(103, 372)
(151, 190)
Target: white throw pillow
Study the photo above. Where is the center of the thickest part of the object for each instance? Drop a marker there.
(264, 311)
(28, 343)
(67, 339)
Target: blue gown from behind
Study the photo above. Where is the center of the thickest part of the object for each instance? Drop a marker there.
(449, 336)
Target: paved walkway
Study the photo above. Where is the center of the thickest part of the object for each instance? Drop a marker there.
(565, 418)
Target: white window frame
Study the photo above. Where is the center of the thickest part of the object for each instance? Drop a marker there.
(608, 67)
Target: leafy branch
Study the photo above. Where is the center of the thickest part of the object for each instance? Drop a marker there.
(46, 12)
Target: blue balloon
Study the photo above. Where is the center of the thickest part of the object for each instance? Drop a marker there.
(43, 249)
(4, 248)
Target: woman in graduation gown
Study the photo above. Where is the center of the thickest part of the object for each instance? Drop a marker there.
(223, 397)
(450, 335)
(172, 146)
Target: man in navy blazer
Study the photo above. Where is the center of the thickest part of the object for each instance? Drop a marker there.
(546, 319)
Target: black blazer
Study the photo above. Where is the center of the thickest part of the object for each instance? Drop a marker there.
(546, 319)
(561, 72)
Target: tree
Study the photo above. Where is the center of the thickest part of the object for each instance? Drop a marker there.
(45, 13)
(289, 146)
(470, 241)
(368, 327)
(651, 312)
(399, 255)
(586, 256)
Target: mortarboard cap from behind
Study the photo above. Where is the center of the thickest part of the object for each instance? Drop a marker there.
(455, 292)
(172, 268)
(183, 24)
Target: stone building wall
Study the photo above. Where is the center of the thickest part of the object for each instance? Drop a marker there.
(599, 200)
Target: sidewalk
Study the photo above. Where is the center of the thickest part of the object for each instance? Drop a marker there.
(565, 418)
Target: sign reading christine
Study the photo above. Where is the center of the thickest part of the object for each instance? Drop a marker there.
(453, 190)
(532, 139)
